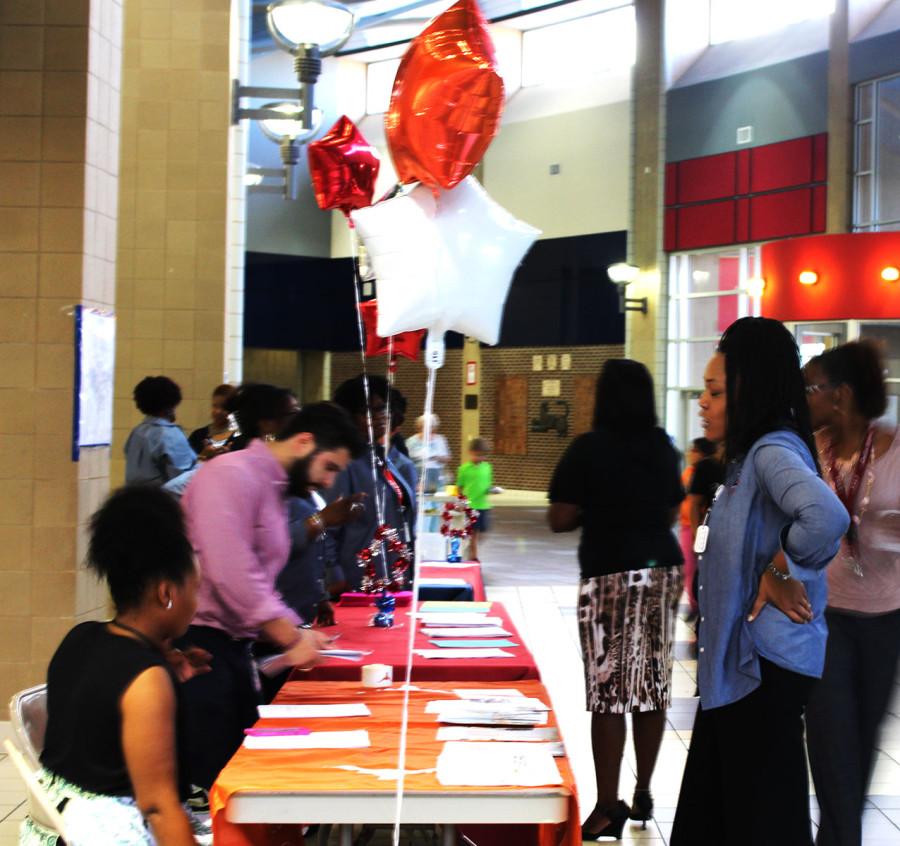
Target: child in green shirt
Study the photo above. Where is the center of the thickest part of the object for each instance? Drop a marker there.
(474, 480)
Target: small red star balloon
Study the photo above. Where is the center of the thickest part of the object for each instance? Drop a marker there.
(343, 167)
(447, 100)
(406, 344)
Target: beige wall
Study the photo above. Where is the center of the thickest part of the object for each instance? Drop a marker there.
(59, 123)
(179, 283)
(591, 191)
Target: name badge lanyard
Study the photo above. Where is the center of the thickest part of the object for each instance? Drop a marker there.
(702, 538)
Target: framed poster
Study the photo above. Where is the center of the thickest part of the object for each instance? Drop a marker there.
(95, 356)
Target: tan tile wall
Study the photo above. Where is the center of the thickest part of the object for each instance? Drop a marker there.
(178, 280)
(532, 471)
(59, 86)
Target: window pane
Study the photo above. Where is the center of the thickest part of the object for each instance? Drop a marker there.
(733, 19)
(864, 101)
(698, 355)
(864, 147)
(566, 51)
(714, 272)
(709, 317)
(863, 200)
(887, 335)
(888, 176)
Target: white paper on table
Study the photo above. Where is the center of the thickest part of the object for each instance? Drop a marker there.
(358, 739)
(512, 735)
(486, 692)
(470, 618)
(441, 582)
(349, 709)
(466, 631)
(497, 703)
(496, 764)
(485, 652)
(449, 565)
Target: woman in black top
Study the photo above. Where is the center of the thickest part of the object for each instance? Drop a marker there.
(621, 484)
(113, 742)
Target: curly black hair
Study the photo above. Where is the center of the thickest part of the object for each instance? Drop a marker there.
(860, 366)
(137, 539)
(156, 395)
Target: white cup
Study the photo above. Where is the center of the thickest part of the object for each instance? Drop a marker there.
(377, 675)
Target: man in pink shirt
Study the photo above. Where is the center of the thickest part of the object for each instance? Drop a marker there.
(238, 523)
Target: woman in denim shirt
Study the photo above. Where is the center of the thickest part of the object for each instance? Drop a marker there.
(773, 528)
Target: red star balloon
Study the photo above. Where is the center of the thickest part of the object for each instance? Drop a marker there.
(447, 100)
(344, 167)
(406, 344)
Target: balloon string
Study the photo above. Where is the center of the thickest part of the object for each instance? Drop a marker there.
(380, 492)
(417, 560)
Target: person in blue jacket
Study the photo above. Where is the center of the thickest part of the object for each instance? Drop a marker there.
(762, 552)
(357, 484)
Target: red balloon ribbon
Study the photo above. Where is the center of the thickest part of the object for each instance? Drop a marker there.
(343, 167)
(447, 100)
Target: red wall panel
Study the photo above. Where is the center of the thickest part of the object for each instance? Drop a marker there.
(670, 230)
(781, 215)
(753, 194)
(671, 184)
(784, 165)
(820, 157)
(706, 225)
(849, 268)
(709, 178)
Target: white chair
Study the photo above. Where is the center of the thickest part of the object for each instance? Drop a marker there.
(28, 718)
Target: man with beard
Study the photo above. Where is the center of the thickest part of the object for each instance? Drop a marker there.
(397, 496)
(238, 523)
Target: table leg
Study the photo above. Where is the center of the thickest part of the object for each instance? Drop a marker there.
(346, 835)
(448, 835)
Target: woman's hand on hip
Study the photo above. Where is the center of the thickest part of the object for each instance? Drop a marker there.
(787, 595)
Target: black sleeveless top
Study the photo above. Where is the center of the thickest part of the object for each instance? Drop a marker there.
(87, 677)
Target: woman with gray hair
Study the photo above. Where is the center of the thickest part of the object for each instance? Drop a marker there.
(433, 461)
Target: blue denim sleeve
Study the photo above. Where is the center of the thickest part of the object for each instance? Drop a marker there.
(175, 455)
(816, 518)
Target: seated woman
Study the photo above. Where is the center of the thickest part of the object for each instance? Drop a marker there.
(114, 742)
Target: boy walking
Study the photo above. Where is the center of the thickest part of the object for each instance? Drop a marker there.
(474, 480)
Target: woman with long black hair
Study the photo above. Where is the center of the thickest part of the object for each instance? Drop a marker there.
(772, 529)
(861, 461)
(620, 484)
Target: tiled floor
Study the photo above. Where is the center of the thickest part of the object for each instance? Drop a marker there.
(534, 574)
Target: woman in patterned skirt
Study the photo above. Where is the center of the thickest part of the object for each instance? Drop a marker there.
(620, 483)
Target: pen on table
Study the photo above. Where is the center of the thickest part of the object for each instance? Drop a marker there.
(295, 731)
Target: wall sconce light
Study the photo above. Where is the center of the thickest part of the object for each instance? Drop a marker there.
(808, 277)
(622, 275)
(309, 30)
(282, 122)
(755, 286)
(890, 274)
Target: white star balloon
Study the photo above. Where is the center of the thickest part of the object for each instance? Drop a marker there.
(443, 264)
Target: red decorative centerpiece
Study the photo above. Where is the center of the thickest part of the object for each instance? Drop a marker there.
(386, 539)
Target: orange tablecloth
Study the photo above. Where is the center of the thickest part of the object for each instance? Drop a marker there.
(314, 770)
(388, 646)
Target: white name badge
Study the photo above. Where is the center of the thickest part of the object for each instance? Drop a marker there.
(701, 539)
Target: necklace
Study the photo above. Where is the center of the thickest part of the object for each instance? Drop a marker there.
(137, 633)
(846, 479)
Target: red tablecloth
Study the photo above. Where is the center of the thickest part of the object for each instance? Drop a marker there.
(388, 646)
(471, 573)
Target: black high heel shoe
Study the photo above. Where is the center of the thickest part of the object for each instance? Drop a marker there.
(642, 807)
(617, 816)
